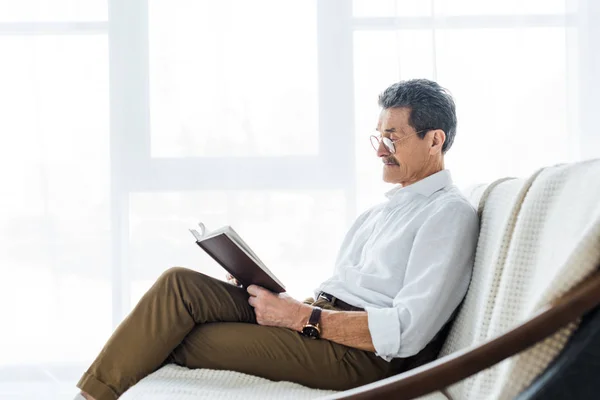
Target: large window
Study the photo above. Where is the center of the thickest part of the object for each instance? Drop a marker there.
(130, 121)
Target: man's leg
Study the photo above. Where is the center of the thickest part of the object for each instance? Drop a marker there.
(178, 301)
(278, 354)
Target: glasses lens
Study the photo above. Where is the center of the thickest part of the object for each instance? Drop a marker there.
(387, 142)
(374, 142)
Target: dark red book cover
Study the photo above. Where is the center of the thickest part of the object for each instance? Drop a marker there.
(239, 264)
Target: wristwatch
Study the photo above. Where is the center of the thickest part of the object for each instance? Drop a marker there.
(312, 329)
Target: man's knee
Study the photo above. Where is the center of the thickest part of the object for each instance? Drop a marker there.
(178, 274)
(173, 272)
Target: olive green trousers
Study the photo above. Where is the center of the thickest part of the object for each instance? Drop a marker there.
(196, 321)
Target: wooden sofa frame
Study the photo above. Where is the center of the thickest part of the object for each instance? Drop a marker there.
(457, 366)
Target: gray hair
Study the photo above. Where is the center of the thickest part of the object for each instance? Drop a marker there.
(431, 106)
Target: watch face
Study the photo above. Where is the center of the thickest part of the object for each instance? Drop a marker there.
(311, 332)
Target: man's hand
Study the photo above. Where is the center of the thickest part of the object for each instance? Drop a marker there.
(277, 309)
(350, 328)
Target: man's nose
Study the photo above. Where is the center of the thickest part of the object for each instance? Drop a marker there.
(382, 151)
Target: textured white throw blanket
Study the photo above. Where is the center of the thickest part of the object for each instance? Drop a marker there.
(538, 239)
(172, 382)
(554, 246)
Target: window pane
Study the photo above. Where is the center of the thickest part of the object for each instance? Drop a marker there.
(233, 78)
(424, 8)
(55, 10)
(280, 226)
(54, 198)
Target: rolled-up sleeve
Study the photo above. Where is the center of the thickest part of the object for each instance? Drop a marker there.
(436, 280)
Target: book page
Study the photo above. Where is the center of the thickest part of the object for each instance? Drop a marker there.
(201, 234)
(196, 234)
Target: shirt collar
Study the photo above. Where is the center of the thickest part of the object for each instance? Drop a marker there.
(426, 186)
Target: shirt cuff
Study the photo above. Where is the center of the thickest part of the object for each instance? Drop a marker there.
(384, 326)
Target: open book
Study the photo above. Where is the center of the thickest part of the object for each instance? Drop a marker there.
(227, 248)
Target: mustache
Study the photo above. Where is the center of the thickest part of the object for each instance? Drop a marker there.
(391, 160)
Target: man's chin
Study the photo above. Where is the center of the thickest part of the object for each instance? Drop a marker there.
(390, 173)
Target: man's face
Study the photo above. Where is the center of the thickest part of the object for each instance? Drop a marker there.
(412, 155)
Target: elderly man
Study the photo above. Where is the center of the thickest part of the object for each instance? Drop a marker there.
(401, 272)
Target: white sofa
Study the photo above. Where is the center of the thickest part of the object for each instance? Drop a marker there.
(535, 274)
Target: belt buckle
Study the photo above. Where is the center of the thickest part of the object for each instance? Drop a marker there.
(326, 296)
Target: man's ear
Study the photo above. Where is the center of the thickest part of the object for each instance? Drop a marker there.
(438, 139)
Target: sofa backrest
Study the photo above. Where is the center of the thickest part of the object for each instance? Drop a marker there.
(495, 203)
(539, 237)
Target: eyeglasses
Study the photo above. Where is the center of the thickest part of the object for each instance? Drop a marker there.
(389, 143)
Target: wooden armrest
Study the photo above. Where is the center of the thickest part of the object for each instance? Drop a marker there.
(457, 366)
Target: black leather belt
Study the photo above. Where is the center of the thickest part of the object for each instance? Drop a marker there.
(342, 305)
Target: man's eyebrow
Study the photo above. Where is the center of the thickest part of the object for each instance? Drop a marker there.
(389, 130)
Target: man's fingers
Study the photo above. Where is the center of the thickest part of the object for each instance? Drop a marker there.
(254, 290)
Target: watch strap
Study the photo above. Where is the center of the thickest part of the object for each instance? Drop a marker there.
(315, 316)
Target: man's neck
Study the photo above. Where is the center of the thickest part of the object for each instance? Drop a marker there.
(426, 171)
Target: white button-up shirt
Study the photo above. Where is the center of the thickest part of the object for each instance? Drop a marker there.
(408, 263)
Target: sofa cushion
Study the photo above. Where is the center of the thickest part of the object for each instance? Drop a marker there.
(173, 382)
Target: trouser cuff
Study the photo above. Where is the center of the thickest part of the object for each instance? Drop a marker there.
(98, 390)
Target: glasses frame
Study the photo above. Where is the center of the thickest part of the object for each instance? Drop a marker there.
(388, 143)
